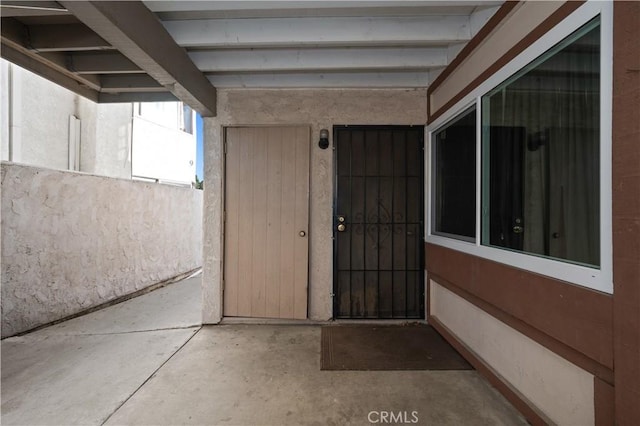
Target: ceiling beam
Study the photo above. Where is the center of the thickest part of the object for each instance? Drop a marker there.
(182, 5)
(11, 12)
(321, 32)
(13, 31)
(47, 71)
(33, 5)
(13, 39)
(136, 32)
(10, 8)
(324, 80)
(64, 37)
(185, 5)
(331, 59)
(110, 98)
(112, 83)
(101, 63)
(311, 12)
(299, 9)
(13, 8)
(60, 61)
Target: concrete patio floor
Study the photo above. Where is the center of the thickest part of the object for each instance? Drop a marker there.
(148, 361)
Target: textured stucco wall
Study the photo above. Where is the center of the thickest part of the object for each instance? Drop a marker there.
(71, 241)
(45, 123)
(109, 154)
(37, 111)
(40, 113)
(318, 109)
(4, 110)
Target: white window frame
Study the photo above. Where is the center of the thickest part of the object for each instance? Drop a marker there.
(467, 109)
(597, 279)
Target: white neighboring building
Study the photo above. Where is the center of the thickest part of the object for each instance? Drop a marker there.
(45, 125)
(164, 142)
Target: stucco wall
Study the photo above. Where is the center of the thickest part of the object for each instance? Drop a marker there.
(38, 112)
(4, 110)
(45, 122)
(112, 147)
(318, 109)
(34, 115)
(71, 241)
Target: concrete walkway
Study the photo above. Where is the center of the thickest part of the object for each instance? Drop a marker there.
(147, 361)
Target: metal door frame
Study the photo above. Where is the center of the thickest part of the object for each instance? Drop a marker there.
(334, 220)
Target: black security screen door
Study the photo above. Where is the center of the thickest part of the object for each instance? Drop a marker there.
(378, 222)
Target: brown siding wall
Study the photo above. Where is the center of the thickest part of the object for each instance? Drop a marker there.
(603, 396)
(626, 210)
(572, 321)
(595, 331)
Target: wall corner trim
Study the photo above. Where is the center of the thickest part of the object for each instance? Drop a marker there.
(484, 32)
(560, 14)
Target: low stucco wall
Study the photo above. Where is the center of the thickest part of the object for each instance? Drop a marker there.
(71, 241)
(317, 108)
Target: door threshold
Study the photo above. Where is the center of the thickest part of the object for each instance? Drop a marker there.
(357, 321)
(268, 321)
(336, 322)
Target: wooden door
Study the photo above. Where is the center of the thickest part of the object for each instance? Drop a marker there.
(266, 222)
(379, 260)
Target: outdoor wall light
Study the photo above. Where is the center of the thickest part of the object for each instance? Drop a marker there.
(324, 139)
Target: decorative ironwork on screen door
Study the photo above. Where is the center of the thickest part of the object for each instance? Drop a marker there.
(378, 222)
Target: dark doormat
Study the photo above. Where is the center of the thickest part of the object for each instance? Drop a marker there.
(374, 347)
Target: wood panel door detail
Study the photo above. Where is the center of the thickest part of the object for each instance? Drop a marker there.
(266, 222)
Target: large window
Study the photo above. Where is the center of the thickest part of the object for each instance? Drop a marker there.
(454, 178)
(540, 142)
(539, 195)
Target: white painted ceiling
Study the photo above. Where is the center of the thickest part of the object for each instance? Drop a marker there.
(120, 52)
(322, 43)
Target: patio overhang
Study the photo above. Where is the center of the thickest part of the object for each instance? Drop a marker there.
(122, 51)
(105, 51)
(571, 345)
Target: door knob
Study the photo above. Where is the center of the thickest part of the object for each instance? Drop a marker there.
(341, 227)
(518, 228)
(302, 233)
